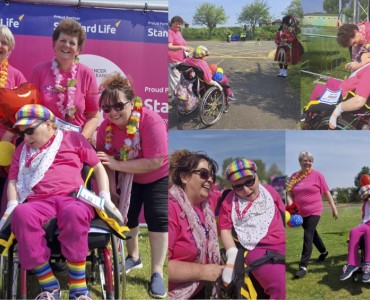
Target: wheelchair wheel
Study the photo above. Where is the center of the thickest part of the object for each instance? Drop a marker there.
(119, 268)
(3, 276)
(211, 106)
(12, 274)
(341, 125)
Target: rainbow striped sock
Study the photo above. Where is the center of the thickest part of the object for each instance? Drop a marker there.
(77, 278)
(46, 277)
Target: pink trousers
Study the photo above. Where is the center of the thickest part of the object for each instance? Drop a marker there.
(270, 276)
(73, 217)
(354, 239)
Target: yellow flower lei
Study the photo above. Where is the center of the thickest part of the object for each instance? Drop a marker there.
(297, 178)
(4, 74)
(131, 130)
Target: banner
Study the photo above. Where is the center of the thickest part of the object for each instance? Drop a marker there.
(132, 42)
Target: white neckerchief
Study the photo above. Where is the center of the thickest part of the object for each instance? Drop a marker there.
(366, 213)
(29, 177)
(255, 223)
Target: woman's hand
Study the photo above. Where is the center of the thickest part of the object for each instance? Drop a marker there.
(212, 272)
(107, 160)
(335, 213)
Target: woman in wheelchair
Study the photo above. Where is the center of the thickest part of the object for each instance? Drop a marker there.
(255, 212)
(45, 170)
(198, 59)
(358, 82)
(361, 231)
(193, 252)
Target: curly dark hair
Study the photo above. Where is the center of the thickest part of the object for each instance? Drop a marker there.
(345, 33)
(176, 19)
(184, 162)
(112, 85)
(72, 28)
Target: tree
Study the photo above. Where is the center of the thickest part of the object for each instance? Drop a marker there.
(209, 15)
(255, 13)
(273, 171)
(295, 9)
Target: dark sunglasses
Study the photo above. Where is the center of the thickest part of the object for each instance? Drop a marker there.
(28, 131)
(205, 174)
(248, 183)
(116, 106)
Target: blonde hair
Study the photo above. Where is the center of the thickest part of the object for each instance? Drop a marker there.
(303, 154)
(8, 35)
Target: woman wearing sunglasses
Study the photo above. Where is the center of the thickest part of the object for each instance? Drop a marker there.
(306, 187)
(67, 87)
(193, 252)
(132, 144)
(252, 214)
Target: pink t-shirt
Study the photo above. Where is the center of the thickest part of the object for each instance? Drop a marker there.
(64, 175)
(15, 78)
(207, 74)
(86, 98)
(181, 243)
(153, 140)
(177, 40)
(307, 194)
(358, 82)
(276, 231)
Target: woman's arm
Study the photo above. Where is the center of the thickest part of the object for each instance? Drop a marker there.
(289, 198)
(183, 271)
(227, 238)
(172, 47)
(330, 199)
(8, 136)
(92, 119)
(354, 103)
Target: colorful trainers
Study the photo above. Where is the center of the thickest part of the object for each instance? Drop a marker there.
(366, 273)
(157, 288)
(49, 295)
(322, 256)
(347, 272)
(132, 264)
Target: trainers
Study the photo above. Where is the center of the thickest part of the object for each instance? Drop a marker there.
(78, 296)
(226, 108)
(49, 295)
(157, 288)
(322, 256)
(301, 272)
(132, 264)
(347, 272)
(231, 97)
(366, 273)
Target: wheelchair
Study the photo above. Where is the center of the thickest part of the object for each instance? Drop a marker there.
(357, 275)
(106, 257)
(208, 98)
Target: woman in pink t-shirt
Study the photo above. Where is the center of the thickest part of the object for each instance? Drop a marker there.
(67, 87)
(193, 252)
(177, 50)
(252, 214)
(132, 144)
(305, 188)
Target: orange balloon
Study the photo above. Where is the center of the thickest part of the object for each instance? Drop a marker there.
(365, 179)
(213, 68)
(11, 100)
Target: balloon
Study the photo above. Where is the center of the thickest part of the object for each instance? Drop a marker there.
(217, 76)
(220, 70)
(287, 217)
(365, 179)
(6, 153)
(11, 100)
(213, 68)
(295, 221)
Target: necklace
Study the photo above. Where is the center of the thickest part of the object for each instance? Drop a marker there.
(132, 128)
(297, 178)
(237, 208)
(68, 110)
(4, 74)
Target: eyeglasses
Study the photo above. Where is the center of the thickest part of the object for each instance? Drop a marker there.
(29, 130)
(248, 183)
(205, 174)
(116, 106)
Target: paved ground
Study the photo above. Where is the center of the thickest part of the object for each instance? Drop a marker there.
(264, 101)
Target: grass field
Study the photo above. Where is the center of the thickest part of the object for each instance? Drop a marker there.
(322, 279)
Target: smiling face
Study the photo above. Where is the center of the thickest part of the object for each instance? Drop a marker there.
(247, 193)
(66, 48)
(120, 118)
(176, 26)
(306, 163)
(197, 188)
(4, 49)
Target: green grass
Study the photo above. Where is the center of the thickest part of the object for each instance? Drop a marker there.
(322, 279)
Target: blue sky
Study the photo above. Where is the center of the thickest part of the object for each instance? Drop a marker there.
(267, 145)
(312, 6)
(339, 155)
(186, 9)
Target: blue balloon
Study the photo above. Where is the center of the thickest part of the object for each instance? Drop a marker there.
(296, 220)
(218, 76)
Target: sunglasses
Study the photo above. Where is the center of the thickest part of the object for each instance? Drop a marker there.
(205, 174)
(248, 183)
(116, 106)
(28, 131)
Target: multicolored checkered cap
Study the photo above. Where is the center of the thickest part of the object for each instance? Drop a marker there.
(200, 52)
(32, 112)
(364, 191)
(240, 168)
